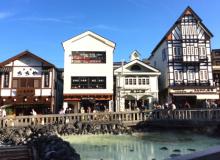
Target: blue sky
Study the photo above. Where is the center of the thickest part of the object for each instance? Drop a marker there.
(41, 25)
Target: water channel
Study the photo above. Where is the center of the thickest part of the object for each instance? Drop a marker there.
(146, 146)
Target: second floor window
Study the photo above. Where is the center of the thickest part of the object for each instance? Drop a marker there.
(191, 75)
(26, 83)
(88, 57)
(203, 75)
(6, 80)
(88, 82)
(178, 75)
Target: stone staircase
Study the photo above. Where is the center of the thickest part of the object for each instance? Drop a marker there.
(15, 153)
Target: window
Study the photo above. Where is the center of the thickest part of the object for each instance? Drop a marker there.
(36, 83)
(164, 57)
(126, 81)
(134, 81)
(192, 50)
(191, 75)
(147, 81)
(6, 80)
(155, 64)
(26, 83)
(135, 68)
(177, 51)
(88, 82)
(15, 83)
(130, 81)
(202, 52)
(88, 57)
(143, 81)
(178, 75)
(139, 81)
(203, 75)
(46, 79)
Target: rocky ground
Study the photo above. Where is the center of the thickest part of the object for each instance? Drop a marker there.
(45, 140)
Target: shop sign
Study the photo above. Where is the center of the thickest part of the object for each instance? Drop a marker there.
(137, 91)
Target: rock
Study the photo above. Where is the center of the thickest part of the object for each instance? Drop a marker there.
(176, 150)
(174, 155)
(163, 148)
(191, 149)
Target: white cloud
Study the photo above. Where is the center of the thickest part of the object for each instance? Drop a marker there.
(45, 19)
(4, 15)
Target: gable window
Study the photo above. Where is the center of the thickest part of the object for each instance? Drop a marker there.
(135, 68)
(164, 57)
(6, 80)
(46, 79)
(155, 64)
(88, 57)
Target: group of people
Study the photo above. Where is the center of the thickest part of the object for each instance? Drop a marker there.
(164, 106)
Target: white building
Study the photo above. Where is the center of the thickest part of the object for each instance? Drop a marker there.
(29, 82)
(88, 72)
(184, 58)
(136, 84)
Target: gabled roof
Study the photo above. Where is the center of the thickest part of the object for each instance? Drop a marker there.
(136, 61)
(92, 34)
(188, 10)
(26, 53)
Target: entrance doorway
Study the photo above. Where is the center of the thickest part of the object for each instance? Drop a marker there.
(181, 100)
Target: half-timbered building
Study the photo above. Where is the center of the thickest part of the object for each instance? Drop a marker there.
(28, 82)
(184, 58)
(88, 73)
(136, 84)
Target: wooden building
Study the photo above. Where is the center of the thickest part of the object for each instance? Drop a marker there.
(184, 58)
(29, 82)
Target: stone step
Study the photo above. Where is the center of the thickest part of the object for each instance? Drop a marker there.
(15, 153)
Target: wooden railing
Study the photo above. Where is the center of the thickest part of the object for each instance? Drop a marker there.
(192, 114)
(127, 118)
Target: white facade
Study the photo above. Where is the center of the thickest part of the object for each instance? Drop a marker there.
(85, 43)
(136, 85)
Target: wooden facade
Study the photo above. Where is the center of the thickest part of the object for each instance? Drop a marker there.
(29, 82)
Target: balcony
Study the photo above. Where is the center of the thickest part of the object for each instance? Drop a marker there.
(25, 92)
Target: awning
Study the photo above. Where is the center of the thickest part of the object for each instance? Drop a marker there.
(129, 97)
(145, 97)
(5, 106)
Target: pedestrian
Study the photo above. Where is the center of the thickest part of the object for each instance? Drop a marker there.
(3, 113)
(187, 105)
